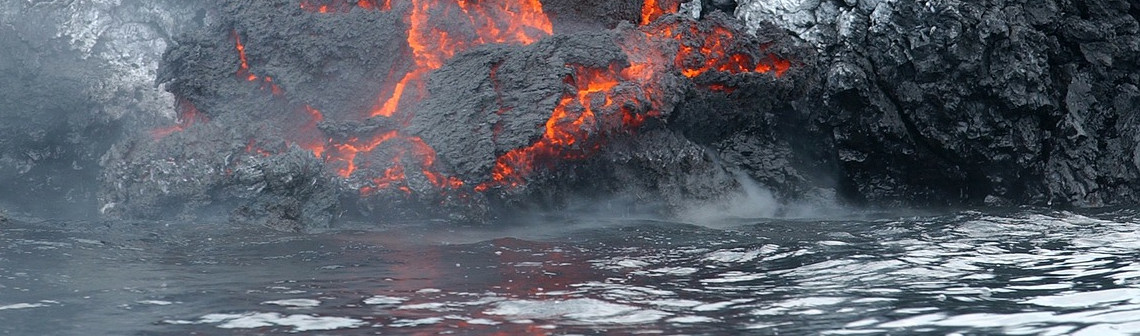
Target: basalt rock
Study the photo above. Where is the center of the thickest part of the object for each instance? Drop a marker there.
(888, 102)
(206, 172)
(276, 132)
(972, 102)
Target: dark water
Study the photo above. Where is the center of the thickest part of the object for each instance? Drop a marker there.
(1022, 272)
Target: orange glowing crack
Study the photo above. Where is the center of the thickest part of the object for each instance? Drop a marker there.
(573, 131)
(243, 68)
(569, 130)
(188, 115)
(651, 10)
(505, 21)
(335, 6)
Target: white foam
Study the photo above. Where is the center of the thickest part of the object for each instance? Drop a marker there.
(384, 300)
(584, 310)
(416, 322)
(1087, 299)
(22, 306)
(298, 303)
(691, 319)
(299, 322)
(155, 302)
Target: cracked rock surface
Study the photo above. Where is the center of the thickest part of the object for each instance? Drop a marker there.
(975, 102)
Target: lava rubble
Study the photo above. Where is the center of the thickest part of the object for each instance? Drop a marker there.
(392, 116)
(482, 107)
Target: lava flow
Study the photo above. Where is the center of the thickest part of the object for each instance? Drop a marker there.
(471, 23)
(574, 132)
(505, 21)
(651, 10)
(601, 102)
(712, 53)
(188, 115)
(336, 6)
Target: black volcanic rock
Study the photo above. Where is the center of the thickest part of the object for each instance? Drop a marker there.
(999, 102)
(205, 171)
(472, 116)
(710, 6)
(885, 102)
(326, 61)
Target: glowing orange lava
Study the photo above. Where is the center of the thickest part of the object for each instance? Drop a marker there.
(433, 40)
(244, 71)
(603, 101)
(188, 115)
(570, 131)
(314, 141)
(573, 131)
(337, 6)
(711, 53)
(651, 10)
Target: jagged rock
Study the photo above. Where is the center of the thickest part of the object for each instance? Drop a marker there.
(996, 102)
(953, 102)
(204, 171)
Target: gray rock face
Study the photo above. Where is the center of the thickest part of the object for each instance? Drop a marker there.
(973, 102)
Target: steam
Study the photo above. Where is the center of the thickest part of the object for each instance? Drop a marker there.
(754, 201)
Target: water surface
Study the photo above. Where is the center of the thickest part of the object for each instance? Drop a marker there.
(1021, 272)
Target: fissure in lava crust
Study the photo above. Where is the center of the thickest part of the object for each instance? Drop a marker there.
(382, 150)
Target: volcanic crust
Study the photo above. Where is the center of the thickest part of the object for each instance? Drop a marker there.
(263, 86)
(292, 114)
(972, 102)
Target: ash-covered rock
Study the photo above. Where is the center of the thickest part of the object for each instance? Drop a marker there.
(495, 100)
(1000, 102)
(276, 128)
(328, 62)
(489, 101)
(206, 172)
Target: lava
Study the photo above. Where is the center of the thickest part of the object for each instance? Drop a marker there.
(314, 142)
(651, 10)
(603, 101)
(243, 68)
(188, 115)
(504, 21)
(572, 130)
(244, 72)
(711, 53)
(337, 6)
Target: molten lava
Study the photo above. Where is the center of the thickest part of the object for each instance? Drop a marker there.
(243, 68)
(188, 115)
(651, 10)
(574, 132)
(710, 52)
(575, 128)
(466, 24)
(338, 6)
(601, 102)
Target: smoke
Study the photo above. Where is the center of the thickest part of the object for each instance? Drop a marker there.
(74, 78)
(752, 202)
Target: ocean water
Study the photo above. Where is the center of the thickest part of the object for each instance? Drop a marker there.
(993, 272)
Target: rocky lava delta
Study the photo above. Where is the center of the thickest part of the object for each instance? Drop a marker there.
(292, 114)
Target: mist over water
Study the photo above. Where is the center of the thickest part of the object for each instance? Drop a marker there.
(76, 77)
(1027, 271)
